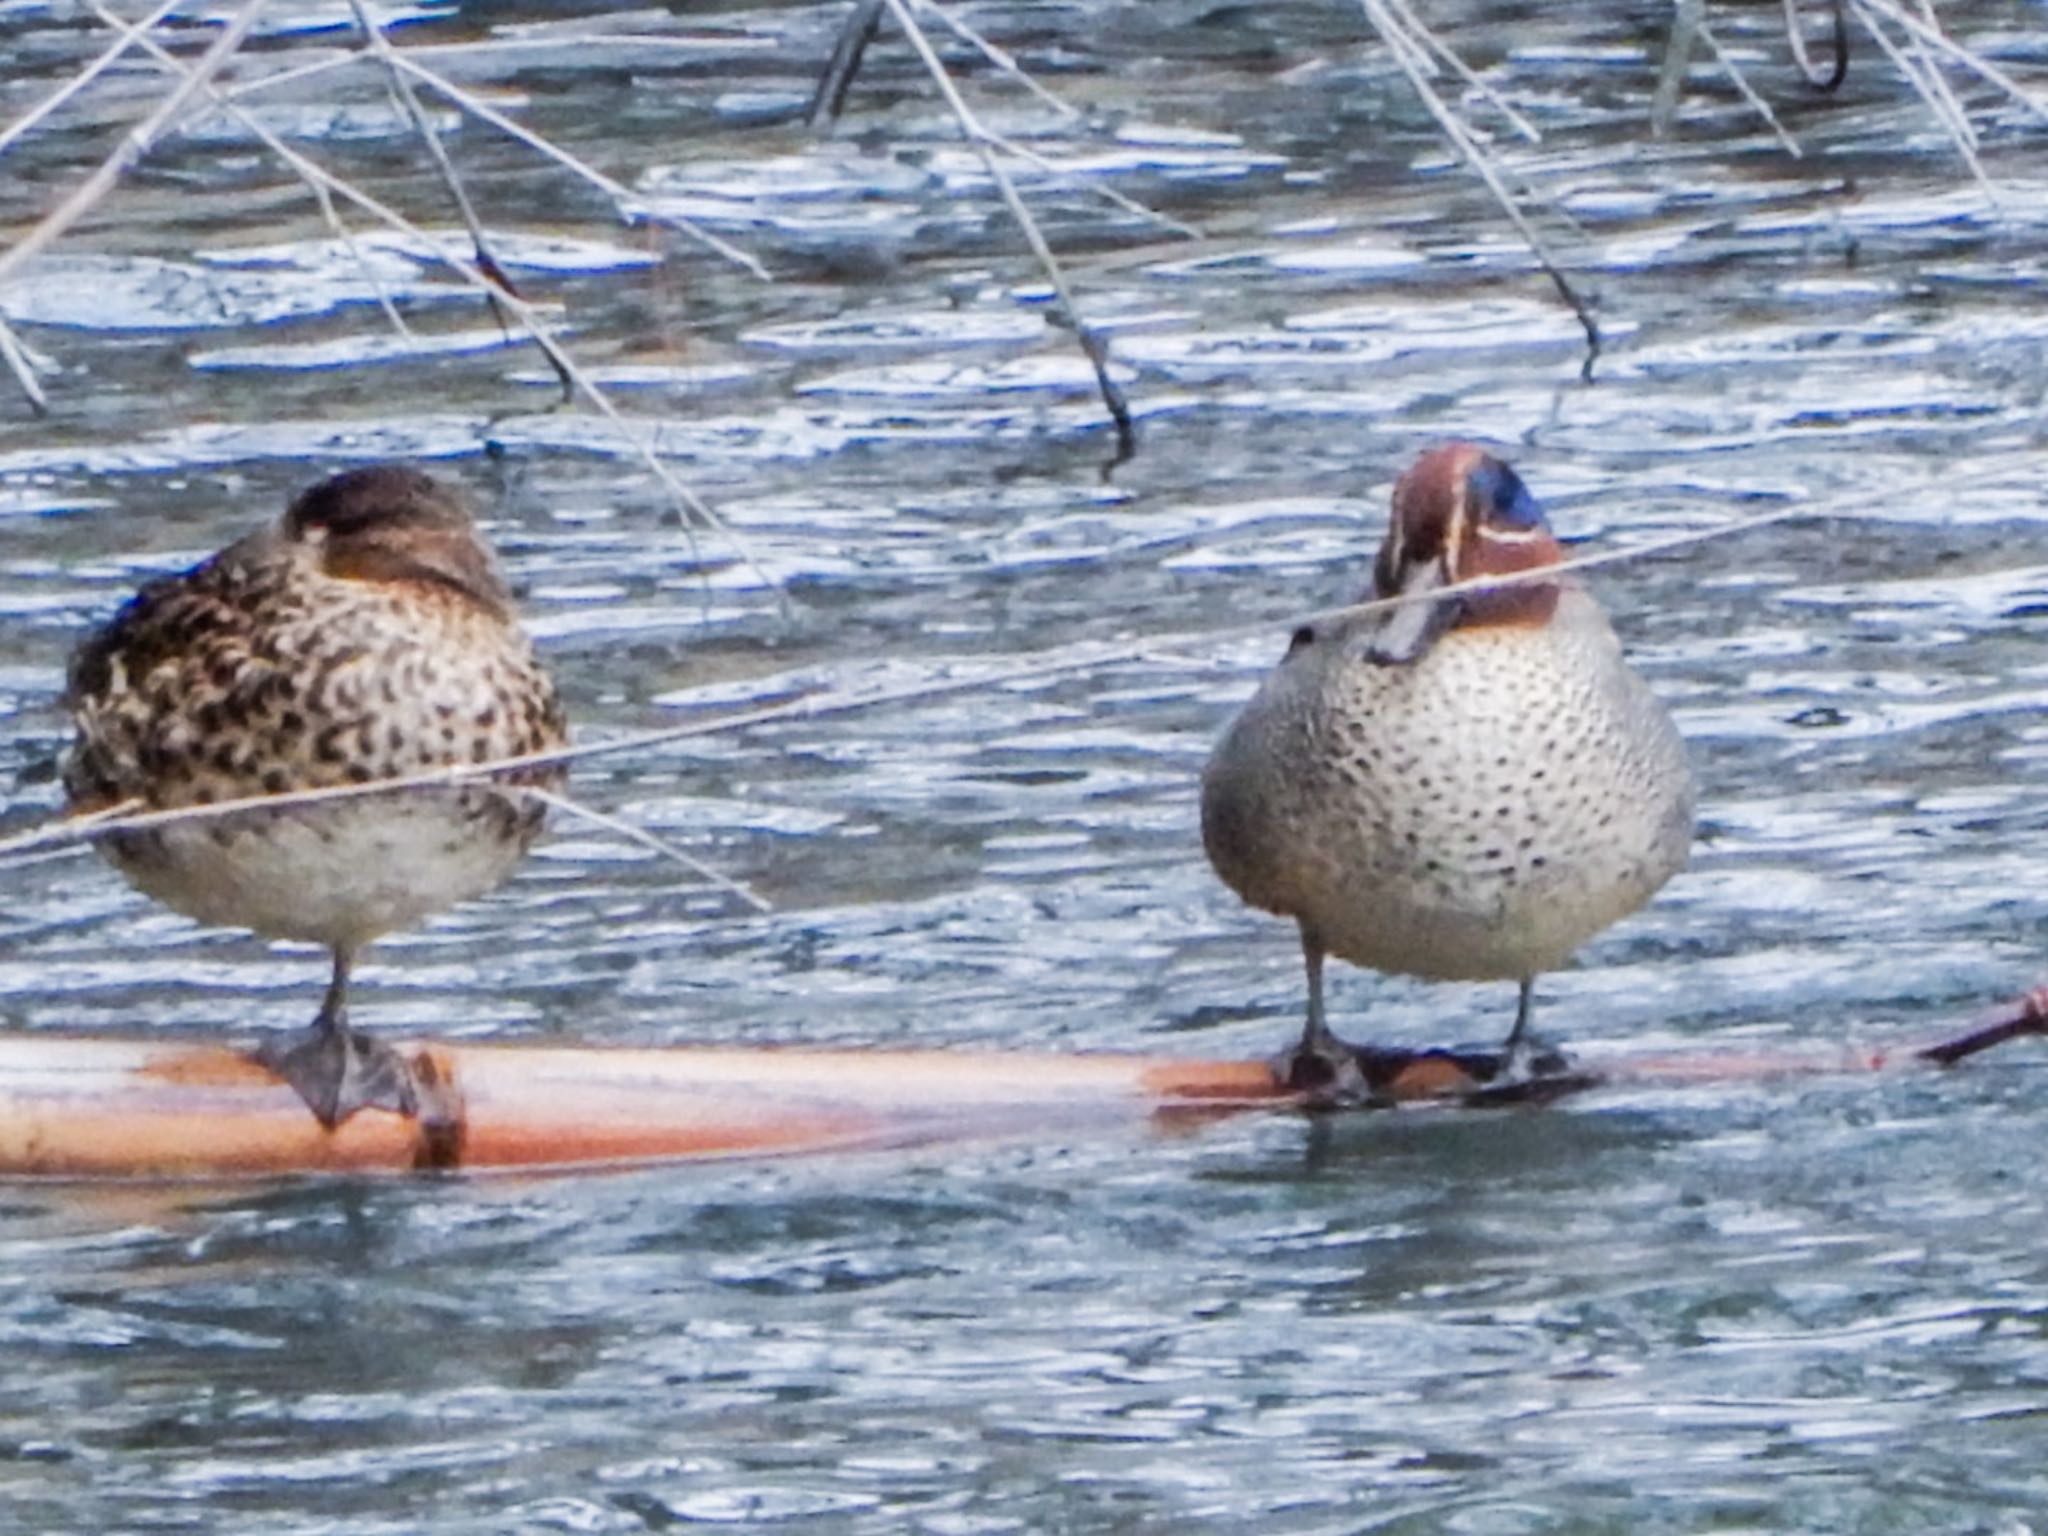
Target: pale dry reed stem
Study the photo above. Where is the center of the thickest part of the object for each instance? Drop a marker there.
(94, 68)
(133, 146)
(103, 178)
(650, 840)
(409, 102)
(1099, 189)
(628, 203)
(1689, 21)
(1927, 83)
(846, 59)
(1969, 58)
(294, 74)
(1437, 47)
(135, 35)
(1937, 81)
(1747, 91)
(331, 217)
(1002, 58)
(686, 501)
(984, 145)
(1405, 51)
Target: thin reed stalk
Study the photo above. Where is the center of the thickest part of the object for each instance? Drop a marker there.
(1412, 55)
(529, 316)
(986, 146)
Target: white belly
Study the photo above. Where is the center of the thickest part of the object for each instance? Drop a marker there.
(336, 875)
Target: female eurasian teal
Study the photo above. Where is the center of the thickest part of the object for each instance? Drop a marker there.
(365, 634)
(1464, 787)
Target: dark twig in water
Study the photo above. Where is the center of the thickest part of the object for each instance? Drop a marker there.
(2029, 1016)
(1409, 52)
(847, 51)
(1831, 78)
(986, 146)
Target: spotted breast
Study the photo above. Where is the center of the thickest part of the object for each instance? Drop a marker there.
(1461, 787)
(364, 635)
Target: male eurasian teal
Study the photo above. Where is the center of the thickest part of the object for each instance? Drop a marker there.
(365, 634)
(1464, 787)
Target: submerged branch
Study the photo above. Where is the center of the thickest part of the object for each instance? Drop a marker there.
(22, 366)
(848, 49)
(1687, 16)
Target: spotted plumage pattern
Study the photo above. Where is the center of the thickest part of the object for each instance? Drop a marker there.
(366, 634)
(1465, 787)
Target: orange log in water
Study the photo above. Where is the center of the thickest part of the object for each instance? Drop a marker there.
(123, 1108)
(73, 1107)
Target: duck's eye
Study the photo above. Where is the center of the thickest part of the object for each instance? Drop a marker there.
(1303, 638)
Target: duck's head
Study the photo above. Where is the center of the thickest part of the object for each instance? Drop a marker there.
(390, 523)
(1459, 513)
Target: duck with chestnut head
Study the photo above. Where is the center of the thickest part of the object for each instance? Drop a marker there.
(1464, 786)
(366, 634)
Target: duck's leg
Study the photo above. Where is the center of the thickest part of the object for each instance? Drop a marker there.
(1524, 1006)
(334, 1069)
(1523, 1055)
(1320, 1063)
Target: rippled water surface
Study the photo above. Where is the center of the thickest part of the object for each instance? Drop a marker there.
(1793, 1304)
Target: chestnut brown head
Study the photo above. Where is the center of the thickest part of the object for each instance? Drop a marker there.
(391, 523)
(1459, 513)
